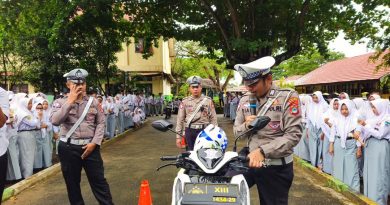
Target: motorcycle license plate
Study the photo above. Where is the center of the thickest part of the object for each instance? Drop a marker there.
(222, 199)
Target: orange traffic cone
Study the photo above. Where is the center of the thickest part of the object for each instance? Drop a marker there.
(145, 197)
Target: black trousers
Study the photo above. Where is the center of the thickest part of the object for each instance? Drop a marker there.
(191, 135)
(3, 173)
(71, 164)
(273, 183)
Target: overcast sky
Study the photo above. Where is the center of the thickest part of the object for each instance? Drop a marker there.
(344, 46)
(339, 44)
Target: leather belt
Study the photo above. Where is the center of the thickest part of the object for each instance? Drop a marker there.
(77, 141)
(29, 130)
(279, 162)
(197, 127)
(348, 138)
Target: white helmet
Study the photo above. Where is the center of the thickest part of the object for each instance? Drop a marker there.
(212, 137)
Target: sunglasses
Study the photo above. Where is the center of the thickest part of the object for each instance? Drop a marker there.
(193, 87)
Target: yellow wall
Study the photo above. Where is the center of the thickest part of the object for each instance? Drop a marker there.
(129, 60)
(159, 62)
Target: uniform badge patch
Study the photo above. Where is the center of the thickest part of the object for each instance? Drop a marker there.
(274, 125)
(272, 92)
(294, 110)
(293, 101)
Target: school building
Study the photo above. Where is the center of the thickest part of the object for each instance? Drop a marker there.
(154, 73)
(355, 75)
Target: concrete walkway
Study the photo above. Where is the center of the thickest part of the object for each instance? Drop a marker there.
(136, 157)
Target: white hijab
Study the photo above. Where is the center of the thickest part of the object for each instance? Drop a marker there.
(332, 113)
(345, 125)
(305, 101)
(346, 95)
(383, 108)
(362, 107)
(316, 110)
(22, 110)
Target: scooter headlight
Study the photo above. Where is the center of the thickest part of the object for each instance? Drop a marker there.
(210, 157)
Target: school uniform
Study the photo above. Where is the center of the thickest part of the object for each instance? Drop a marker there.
(302, 149)
(345, 163)
(109, 110)
(28, 131)
(43, 153)
(376, 171)
(233, 108)
(327, 158)
(315, 121)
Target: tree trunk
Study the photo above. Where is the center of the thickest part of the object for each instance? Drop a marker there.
(108, 83)
(5, 72)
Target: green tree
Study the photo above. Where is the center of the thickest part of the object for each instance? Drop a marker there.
(247, 30)
(53, 37)
(194, 59)
(304, 62)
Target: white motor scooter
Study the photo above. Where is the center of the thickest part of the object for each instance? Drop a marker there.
(209, 176)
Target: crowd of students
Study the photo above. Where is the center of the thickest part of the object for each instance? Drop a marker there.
(33, 138)
(230, 103)
(349, 139)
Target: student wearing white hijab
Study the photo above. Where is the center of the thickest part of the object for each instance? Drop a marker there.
(376, 172)
(28, 130)
(109, 110)
(46, 112)
(344, 147)
(13, 171)
(302, 149)
(43, 154)
(127, 113)
(329, 119)
(119, 120)
(374, 96)
(343, 96)
(363, 109)
(137, 117)
(316, 109)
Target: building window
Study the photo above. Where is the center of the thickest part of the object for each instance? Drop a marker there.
(20, 88)
(139, 46)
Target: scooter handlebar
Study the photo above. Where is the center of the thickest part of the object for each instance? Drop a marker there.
(168, 158)
(243, 158)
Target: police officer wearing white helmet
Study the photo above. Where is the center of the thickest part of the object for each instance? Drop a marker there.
(271, 148)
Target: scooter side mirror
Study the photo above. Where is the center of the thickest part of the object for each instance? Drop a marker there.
(259, 123)
(162, 125)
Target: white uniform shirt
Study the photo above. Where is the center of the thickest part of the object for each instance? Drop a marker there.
(4, 104)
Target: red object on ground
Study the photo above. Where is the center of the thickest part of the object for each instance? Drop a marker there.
(145, 197)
